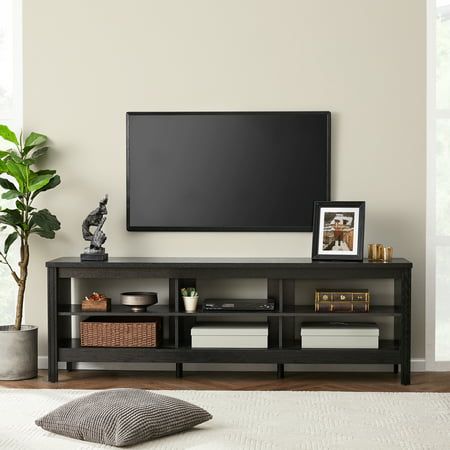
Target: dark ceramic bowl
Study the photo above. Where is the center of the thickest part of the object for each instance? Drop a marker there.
(138, 301)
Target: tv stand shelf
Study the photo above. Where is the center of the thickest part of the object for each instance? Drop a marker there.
(280, 274)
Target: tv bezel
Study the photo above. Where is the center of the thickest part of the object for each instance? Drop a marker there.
(287, 228)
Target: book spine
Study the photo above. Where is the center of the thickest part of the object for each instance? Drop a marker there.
(341, 306)
(341, 296)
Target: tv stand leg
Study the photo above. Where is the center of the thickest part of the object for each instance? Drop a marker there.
(52, 375)
(179, 370)
(406, 375)
(395, 368)
(280, 370)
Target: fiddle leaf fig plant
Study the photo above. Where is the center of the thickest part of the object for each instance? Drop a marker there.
(21, 184)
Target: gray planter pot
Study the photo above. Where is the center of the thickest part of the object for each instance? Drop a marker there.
(18, 352)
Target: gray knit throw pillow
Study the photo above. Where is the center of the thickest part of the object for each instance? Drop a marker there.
(123, 417)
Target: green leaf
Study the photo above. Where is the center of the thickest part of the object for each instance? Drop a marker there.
(11, 217)
(22, 207)
(9, 241)
(19, 171)
(47, 234)
(29, 161)
(45, 220)
(6, 184)
(39, 152)
(35, 139)
(8, 135)
(45, 172)
(8, 195)
(15, 158)
(38, 182)
(54, 181)
(4, 153)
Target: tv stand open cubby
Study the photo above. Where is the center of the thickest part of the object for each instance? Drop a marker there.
(280, 274)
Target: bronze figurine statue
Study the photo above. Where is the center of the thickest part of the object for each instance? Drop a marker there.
(96, 218)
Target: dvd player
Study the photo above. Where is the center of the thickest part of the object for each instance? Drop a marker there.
(218, 304)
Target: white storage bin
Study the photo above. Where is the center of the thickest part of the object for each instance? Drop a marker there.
(339, 335)
(230, 335)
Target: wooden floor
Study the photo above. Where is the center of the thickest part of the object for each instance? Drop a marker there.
(261, 381)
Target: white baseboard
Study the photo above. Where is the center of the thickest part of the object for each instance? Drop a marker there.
(417, 365)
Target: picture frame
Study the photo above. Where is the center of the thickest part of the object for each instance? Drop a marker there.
(338, 231)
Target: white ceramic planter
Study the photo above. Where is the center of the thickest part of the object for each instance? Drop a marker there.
(190, 304)
(18, 352)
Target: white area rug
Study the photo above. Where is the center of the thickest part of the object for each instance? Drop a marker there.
(259, 420)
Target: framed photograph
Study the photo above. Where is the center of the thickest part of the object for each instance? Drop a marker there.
(338, 231)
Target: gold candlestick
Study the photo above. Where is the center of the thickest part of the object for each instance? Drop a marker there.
(373, 252)
(387, 254)
(380, 249)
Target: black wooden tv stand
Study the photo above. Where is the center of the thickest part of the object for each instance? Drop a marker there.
(280, 274)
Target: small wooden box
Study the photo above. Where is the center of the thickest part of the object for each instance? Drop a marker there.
(96, 306)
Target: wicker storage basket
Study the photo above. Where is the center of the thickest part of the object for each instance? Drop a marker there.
(120, 332)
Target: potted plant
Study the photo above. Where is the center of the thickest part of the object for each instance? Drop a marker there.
(190, 299)
(22, 183)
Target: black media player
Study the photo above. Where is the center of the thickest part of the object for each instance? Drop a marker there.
(219, 304)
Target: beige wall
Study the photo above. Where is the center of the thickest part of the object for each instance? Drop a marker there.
(88, 62)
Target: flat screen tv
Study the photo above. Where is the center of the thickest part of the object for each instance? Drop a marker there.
(226, 171)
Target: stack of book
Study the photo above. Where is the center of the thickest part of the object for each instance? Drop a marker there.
(342, 300)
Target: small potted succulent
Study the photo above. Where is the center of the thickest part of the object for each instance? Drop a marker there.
(190, 299)
(21, 182)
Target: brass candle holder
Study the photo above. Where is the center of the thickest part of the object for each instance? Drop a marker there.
(378, 252)
(387, 254)
(373, 252)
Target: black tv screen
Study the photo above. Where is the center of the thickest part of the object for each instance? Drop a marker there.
(226, 171)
